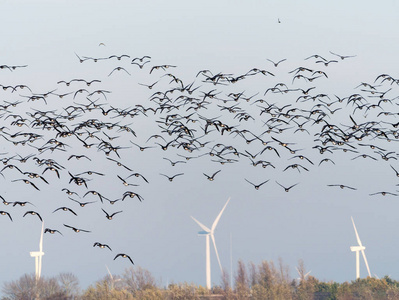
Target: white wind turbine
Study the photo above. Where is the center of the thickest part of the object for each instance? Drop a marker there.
(210, 233)
(302, 275)
(357, 249)
(112, 278)
(38, 255)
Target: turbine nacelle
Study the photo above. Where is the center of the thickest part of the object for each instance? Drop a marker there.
(357, 248)
(203, 232)
(36, 253)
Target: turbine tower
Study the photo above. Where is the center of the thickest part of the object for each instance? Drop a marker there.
(209, 233)
(357, 249)
(38, 255)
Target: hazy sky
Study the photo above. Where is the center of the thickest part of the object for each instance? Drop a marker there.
(311, 222)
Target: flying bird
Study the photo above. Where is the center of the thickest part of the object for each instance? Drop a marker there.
(118, 69)
(287, 189)
(95, 193)
(384, 193)
(65, 209)
(173, 163)
(211, 178)
(140, 65)
(125, 183)
(342, 56)
(27, 182)
(257, 186)
(3, 213)
(102, 246)
(132, 195)
(108, 216)
(21, 203)
(170, 178)
(125, 256)
(82, 204)
(52, 231)
(31, 212)
(276, 63)
(76, 229)
(70, 193)
(342, 186)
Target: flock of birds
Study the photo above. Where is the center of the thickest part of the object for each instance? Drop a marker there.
(280, 127)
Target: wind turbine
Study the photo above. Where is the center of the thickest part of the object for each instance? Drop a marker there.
(38, 255)
(112, 278)
(302, 275)
(357, 249)
(210, 233)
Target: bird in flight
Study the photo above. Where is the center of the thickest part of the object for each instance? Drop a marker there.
(211, 178)
(140, 65)
(52, 231)
(396, 172)
(70, 193)
(342, 56)
(276, 63)
(125, 256)
(384, 193)
(173, 163)
(342, 186)
(131, 195)
(150, 86)
(118, 69)
(170, 178)
(82, 204)
(21, 203)
(124, 181)
(108, 216)
(257, 186)
(3, 213)
(31, 212)
(95, 193)
(27, 182)
(102, 246)
(65, 209)
(119, 164)
(76, 229)
(287, 189)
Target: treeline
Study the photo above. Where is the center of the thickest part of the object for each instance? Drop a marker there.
(263, 281)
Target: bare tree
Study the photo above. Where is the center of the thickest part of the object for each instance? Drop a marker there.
(137, 278)
(27, 288)
(284, 271)
(227, 289)
(241, 281)
(225, 281)
(69, 283)
(252, 274)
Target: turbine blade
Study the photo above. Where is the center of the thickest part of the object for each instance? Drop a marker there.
(357, 235)
(298, 271)
(216, 250)
(201, 225)
(365, 261)
(110, 275)
(215, 223)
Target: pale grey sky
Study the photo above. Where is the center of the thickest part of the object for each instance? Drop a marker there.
(311, 222)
